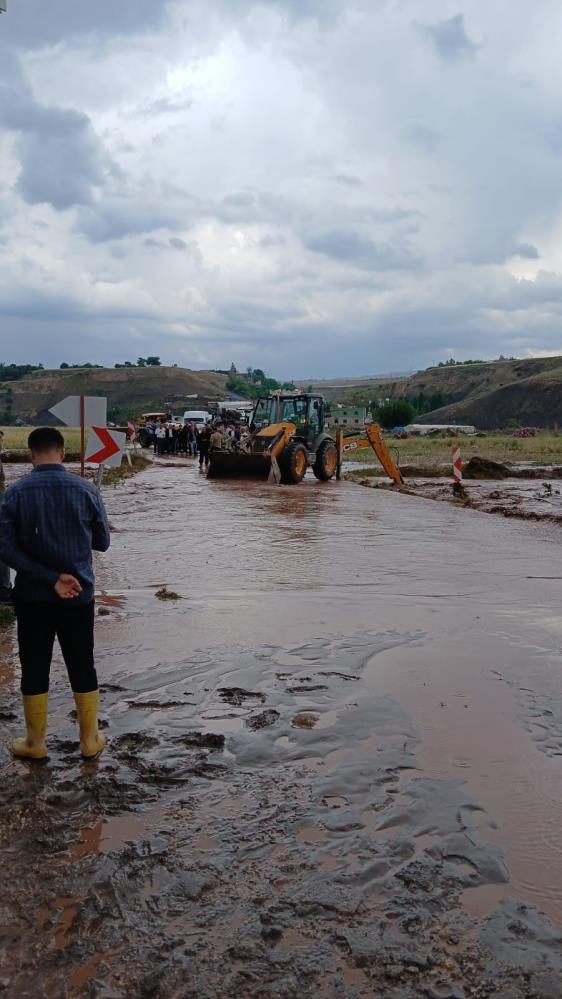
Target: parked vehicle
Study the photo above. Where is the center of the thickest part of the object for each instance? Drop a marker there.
(200, 417)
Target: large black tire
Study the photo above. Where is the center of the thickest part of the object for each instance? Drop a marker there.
(293, 464)
(145, 437)
(326, 464)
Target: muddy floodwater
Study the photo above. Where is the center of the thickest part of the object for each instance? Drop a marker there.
(334, 762)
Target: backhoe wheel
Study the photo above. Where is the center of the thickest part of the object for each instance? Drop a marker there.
(293, 464)
(326, 464)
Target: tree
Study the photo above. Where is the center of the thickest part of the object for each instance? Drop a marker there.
(64, 365)
(395, 413)
(153, 362)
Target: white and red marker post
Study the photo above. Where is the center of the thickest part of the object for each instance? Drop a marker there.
(457, 466)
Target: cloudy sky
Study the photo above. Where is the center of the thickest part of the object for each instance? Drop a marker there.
(313, 187)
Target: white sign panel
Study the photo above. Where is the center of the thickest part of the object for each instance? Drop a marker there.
(105, 447)
(68, 411)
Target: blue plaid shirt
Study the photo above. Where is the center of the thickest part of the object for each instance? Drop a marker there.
(50, 521)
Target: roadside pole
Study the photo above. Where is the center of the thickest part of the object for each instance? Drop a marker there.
(82, 436)
(339, 446)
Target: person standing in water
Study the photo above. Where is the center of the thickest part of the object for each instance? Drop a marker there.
(6, 595)
(50, 522)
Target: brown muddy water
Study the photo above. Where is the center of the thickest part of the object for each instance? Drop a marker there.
(334, 760)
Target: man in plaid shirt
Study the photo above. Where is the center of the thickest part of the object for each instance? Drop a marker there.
(50, 521)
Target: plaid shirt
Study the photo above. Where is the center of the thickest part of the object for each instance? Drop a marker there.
(50, 521)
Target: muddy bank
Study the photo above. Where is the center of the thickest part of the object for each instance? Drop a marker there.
(522, 499)
(476, 468)
(297, 798)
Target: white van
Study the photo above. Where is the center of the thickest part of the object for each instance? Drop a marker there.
(198, 416)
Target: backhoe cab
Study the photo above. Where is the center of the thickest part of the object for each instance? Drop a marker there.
(287, 434)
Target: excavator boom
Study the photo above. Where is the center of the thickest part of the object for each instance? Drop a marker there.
(373, 438)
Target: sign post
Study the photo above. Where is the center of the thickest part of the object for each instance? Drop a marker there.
(82, 411)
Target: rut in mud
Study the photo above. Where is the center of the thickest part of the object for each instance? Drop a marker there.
(332, 763)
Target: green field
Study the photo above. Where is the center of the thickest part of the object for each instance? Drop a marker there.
(16, 438)
(545, 448)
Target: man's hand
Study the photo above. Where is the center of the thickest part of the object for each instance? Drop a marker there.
(67, 587)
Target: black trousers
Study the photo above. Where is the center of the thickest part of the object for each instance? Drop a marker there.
(38, 626)
(203, 454)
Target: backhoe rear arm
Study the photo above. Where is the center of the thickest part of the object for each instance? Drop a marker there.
(373, 438)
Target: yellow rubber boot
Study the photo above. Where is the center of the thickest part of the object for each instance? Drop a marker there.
(91, 740)
(35, 707)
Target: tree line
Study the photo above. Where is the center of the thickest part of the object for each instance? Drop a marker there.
(254, 383)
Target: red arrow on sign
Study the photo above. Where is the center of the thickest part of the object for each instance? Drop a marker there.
(107, 450)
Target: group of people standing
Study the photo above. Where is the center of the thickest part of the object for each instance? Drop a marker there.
(174, 438)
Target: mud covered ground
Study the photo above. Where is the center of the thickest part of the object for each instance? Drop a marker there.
(525, 492)
(334, 760)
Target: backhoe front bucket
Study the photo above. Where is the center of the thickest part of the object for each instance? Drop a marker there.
(240, 465)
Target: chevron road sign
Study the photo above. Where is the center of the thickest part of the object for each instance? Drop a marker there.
(105, 447)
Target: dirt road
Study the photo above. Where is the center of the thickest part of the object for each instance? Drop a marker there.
(334, 762)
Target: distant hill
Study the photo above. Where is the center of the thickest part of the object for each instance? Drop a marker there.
(129, 391)
(487, 394)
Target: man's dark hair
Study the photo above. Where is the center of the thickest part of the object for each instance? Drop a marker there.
(45, 439)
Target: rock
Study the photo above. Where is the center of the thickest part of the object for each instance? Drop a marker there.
(305, 719)
(202, 740)
(263, 720)
(237, 695)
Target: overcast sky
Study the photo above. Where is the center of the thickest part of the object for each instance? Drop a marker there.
(313, 187)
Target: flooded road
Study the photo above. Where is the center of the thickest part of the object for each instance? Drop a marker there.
(334, 761)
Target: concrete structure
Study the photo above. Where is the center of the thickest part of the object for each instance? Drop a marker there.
(421, 429)
(348, 416)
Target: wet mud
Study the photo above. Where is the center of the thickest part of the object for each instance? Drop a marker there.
(520, 498)
(333, 766)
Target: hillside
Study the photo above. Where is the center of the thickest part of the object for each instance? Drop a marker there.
(129, 391)
(488, 394)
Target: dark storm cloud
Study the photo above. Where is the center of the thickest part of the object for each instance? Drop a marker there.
(116, 218)
(61, 160)
(347, 246)
(61, 157)
(36, 23)
(450, 39)
(527, 251)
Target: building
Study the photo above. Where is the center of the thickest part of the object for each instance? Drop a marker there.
(347, 416)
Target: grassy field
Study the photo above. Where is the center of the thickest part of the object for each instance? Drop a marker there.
(545, 448)
(16, 437)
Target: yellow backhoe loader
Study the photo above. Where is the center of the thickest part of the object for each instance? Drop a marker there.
(287, 434)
